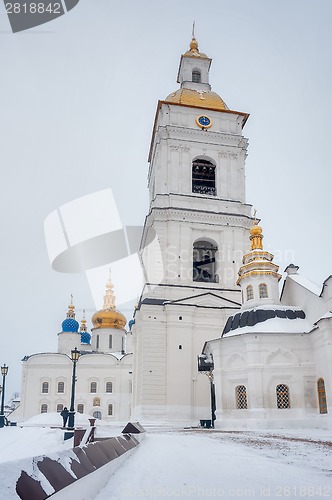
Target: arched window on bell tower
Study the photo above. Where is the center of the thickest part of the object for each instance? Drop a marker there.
(204, 177)
(196, 76)
(204, 261)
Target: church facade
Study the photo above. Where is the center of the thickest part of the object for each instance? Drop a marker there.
(103, 373)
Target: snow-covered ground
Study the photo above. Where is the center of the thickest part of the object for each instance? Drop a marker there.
(42, 434)
(212, 464)
(194, 463)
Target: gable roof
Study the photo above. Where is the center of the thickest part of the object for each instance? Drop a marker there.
(209, 300)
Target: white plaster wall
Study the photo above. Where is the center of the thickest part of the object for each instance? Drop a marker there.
(53, 368)
(260, 362)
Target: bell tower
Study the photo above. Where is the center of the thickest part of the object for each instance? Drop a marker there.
(193, 240)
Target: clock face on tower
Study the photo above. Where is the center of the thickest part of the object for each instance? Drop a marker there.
(203, 121)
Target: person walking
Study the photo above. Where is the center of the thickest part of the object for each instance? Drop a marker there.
(64, 415)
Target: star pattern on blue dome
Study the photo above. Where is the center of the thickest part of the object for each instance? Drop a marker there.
(85, 338)
(70, 325)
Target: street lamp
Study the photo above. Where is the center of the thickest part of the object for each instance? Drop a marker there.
(4, 371)
(75, 354)
(206, 366)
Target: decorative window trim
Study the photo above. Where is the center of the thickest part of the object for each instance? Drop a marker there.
(109, 385)
(93, 387)
(45, 389)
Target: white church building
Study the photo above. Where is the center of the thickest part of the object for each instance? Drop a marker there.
(270, 363)
(104, 369)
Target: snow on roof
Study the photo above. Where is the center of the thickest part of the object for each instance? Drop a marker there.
(327, 315)
(306, 283)
(274, 325)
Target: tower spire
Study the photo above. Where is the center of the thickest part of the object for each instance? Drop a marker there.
(83, 327)
(109, 297)
(71, 307)
(193, 43)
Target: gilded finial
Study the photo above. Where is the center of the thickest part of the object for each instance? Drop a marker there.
(256, 235)
(193, 43)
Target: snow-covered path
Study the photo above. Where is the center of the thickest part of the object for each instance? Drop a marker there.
(218, 465)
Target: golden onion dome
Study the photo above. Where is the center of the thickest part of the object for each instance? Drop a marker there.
(256, 236)
(109, 318)
(197, 98)
(193, 50)
(193, 44)
(256, 230)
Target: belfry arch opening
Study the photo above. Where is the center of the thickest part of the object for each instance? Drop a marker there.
(204, 261)
(196, 76)
(204, 177)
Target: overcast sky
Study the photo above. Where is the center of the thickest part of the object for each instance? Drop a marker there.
(78, 98)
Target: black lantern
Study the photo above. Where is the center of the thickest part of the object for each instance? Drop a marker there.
(4, 371)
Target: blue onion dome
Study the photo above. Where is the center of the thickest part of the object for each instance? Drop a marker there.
(70, 325)
(85, 338)
(85, 335)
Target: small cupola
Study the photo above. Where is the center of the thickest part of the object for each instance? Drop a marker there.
(258, 277)
(70, 324)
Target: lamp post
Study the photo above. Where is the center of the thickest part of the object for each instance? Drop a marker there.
(4, 371)
(212, 397)
(75, 354)
(206, 366)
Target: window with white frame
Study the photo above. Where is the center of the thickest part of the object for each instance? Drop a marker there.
(61, 387)
(45, 387)
(43, 408)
